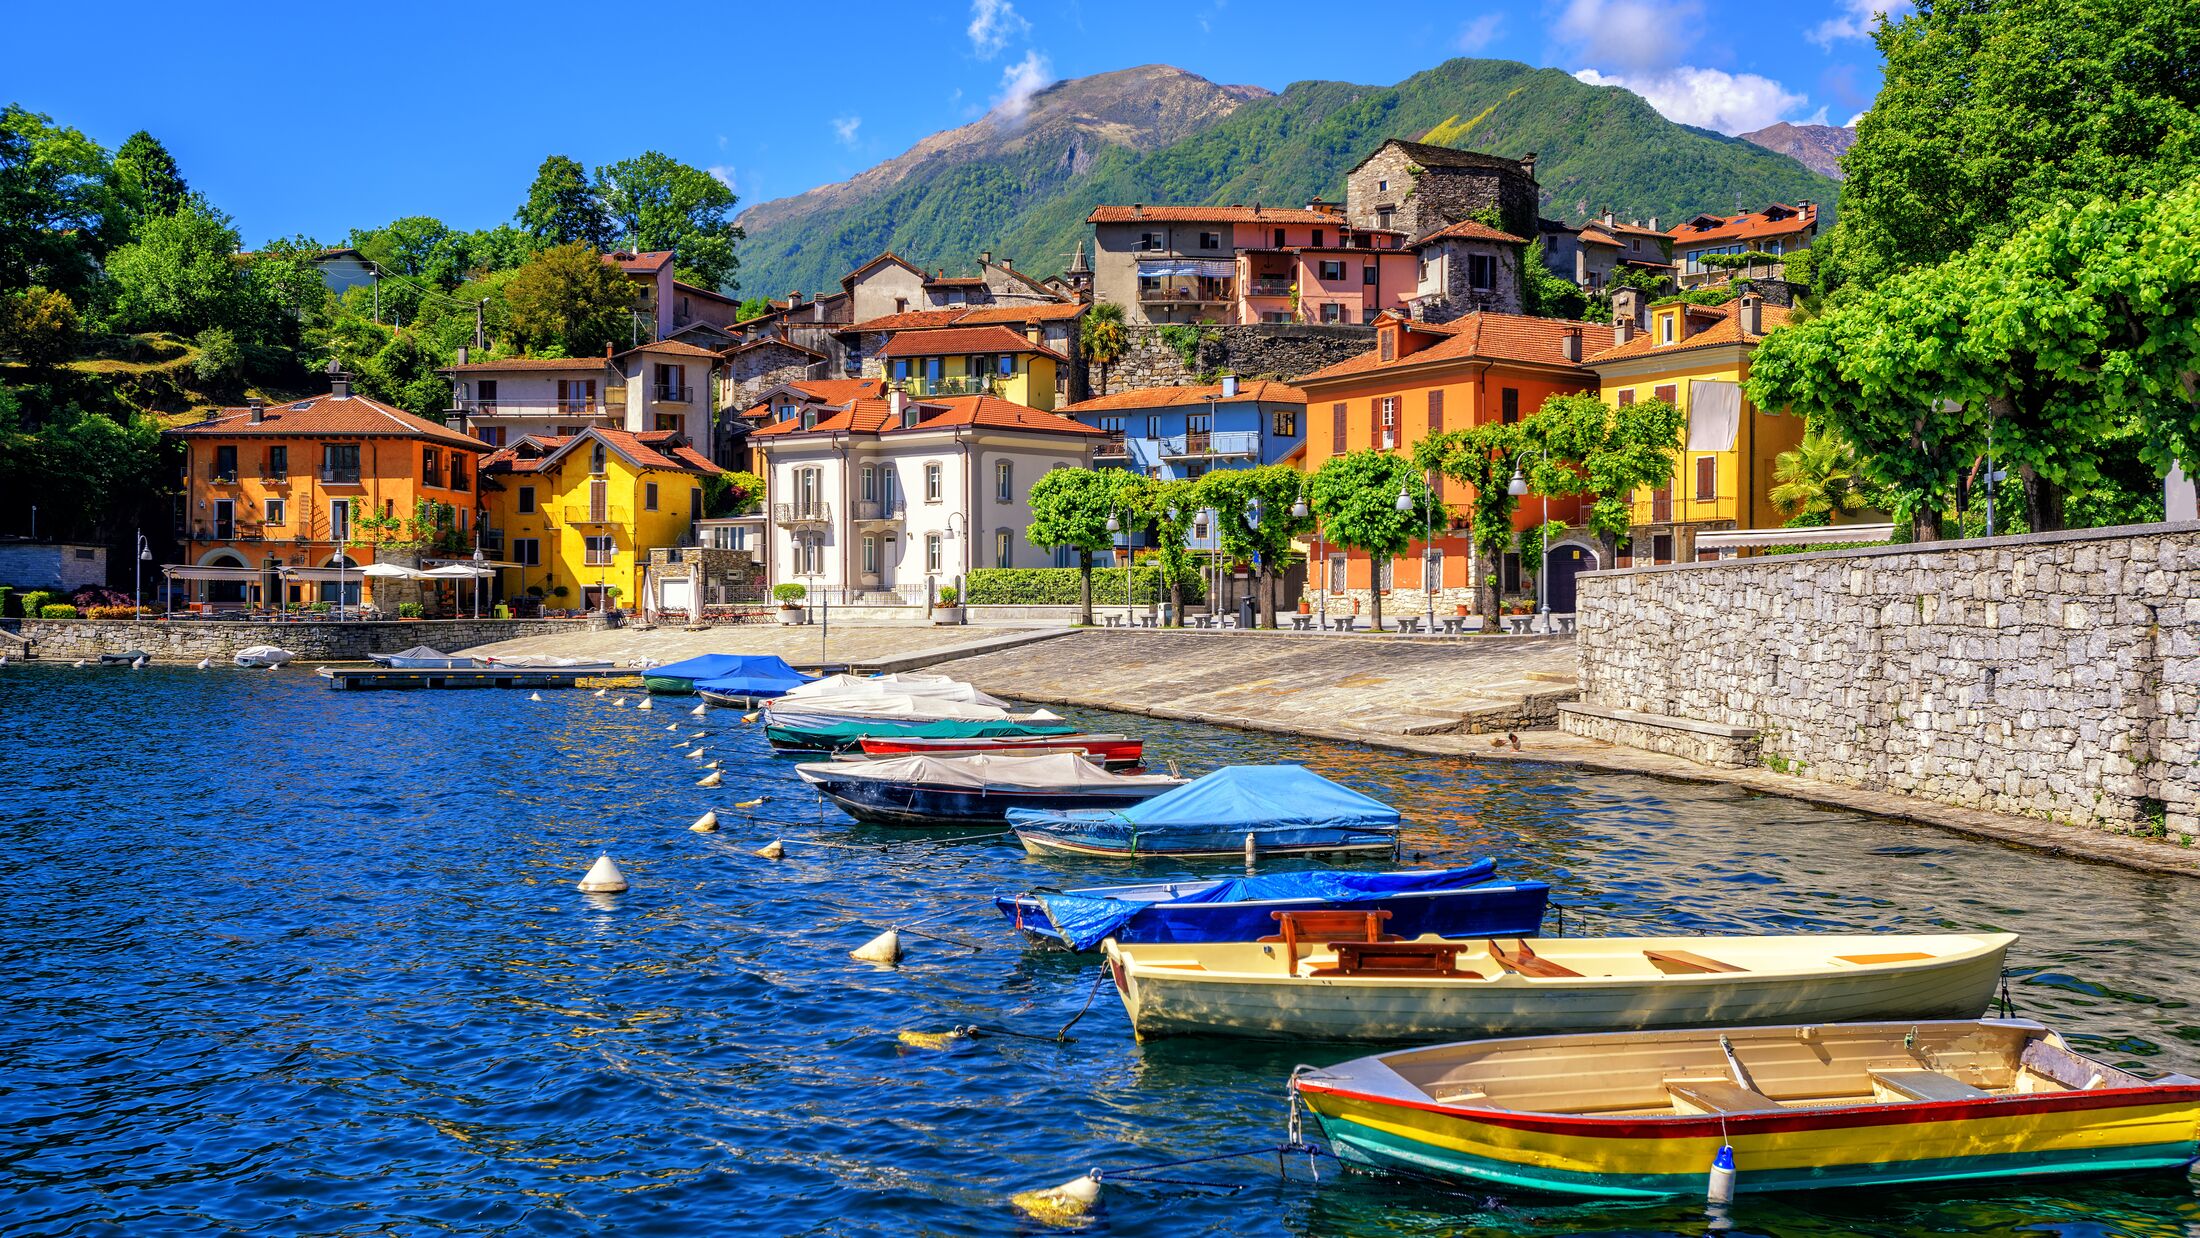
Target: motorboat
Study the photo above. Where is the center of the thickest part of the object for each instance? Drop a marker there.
(745, 676)
(972, 790)
(264, 656)
(1106, 748)
(1241, 810)
(847, 735)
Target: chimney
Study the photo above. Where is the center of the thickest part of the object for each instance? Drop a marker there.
(1610, 220)
(1753, 314)
(607, 350)
(1627, 307)
(1527, 164)
(1138, 210)
(339, 383)
(1031, 331)
(986, 257)
(462, 354)
(1570, 347)
(1008, 262)
(255, 410)
(1654, 224)
(1623, 330)
(896, 401)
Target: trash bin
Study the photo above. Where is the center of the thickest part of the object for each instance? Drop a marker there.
(1247, 615)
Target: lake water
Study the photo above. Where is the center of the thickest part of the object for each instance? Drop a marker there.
(280, 960)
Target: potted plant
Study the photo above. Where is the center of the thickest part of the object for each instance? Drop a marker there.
(949, 607)
(410, 610)
(790, 596)
(1305, 607)
(1463, 609)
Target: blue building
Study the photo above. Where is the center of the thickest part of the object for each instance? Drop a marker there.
(1186, 432)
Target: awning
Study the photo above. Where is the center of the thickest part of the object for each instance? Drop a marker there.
(1833, 534)
(324, 575)
(459, 571)
(391, 571)
(179, 571)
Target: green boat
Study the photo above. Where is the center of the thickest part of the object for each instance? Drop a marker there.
(845, 736)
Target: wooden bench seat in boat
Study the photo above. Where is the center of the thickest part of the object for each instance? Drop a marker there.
(1524, 961)
(1916, 1083)
(1718, 1096)
(1687, 962)
(1312, 926)
(2061, 1066)
(1395, 958)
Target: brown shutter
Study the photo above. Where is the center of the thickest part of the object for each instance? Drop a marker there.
(1669, 393)
(1707, 478)
(1336, 442)
(1626, 396)
(1436, 411)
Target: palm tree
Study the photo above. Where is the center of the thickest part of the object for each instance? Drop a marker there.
(1817, 478)
(1103, 338)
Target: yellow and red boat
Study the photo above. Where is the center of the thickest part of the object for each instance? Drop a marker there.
(1647, 1114)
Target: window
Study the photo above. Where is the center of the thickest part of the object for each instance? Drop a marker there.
(485, 394)
(1367, 274)
(1481, 272)
(576, 395)
(672, 422)
(340, 463)
(1508, 405)
(1112, 423)
(1668, 393)
(1626, 396)
(808, 555)
(1707, 478)
(1331, 270)
(931, 552)
(1382, 186)
(601, 550)
(932, 483)
(1318, 241)
(870, 555)
(1284, 423)
(595, 458)
(431, 468)
(1665, 327)
(1332, 312)
(458, 471)
(1198, 423)
(339, 520)
(277, 512)
(492, 435)
(278, 460)
(1279, 238)
(526, 499)
(649, 496)
(1387, 410)
(1386, 347)
(527, 551)
(672, 383)
(695, 503)
(1210, 240)
(870, 483)
(1152, 241)
(1435, 410)
(806, 487)
(225, 463)
(1336, 429)
(1004, 482)
(1007, 363)
(1336, 571)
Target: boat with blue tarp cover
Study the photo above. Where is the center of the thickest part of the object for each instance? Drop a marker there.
(847, 736)
(1273, 809)
(1447, 902)
(972, 790)
(750, 676)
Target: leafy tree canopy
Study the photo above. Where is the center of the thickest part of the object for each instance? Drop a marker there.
(656, 202)
(149, 178)
(568, 298)
(59, 212)
(182, 274)
(1070, 507)
(1484, 458)
(562, 208)
(1356, 496)
(1585, 446)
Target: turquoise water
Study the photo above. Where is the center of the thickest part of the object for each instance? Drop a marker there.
(284, 960)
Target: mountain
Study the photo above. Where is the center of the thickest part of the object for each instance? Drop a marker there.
(1817, 147)
(1022, 187)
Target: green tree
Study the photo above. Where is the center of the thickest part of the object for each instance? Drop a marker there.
(1070, 507)
(1172, 507)
(182, 274)
(568, 298)
(1545, 293)
(150, 180)
(656, 202)
(753, 307)
(502, 248)
(1253, 518)
(1816, 481)
(1991, 112)
(290, 285)
(90, 476)
(1587, 447)
(1103, 338)
(731, 493)
(37, 325)
(59, 211)
(562, 208)
(1484, 458)
(1356, 496)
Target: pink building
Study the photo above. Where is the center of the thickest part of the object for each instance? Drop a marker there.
(1238, 264)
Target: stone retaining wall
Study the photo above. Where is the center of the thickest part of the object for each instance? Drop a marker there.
(2055, 675)
(191, 640)
(1254, 350)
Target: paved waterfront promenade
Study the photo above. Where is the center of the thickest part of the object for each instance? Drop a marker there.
(879, 648)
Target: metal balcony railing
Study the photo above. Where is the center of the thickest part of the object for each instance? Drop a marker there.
(958, 384)
(1212, 443)
(880, 509)
(1111, 445)
(583, 513)
(667, 393)
(1212, 294)
(340, 476)
(274, 474)
(1278, 287)
(802, 513)
(225, 474)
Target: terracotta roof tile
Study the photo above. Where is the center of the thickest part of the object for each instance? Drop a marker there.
(1728, 330)
(876, 416)
(1169, 397)
(528, 363)
(1749, 225)
(1472, 230)
(679, 348)
(1010, 314)
(962, 340)
(1472, 337)
(354, 416)
(1213, 214)
(911, 321)
(648, 262)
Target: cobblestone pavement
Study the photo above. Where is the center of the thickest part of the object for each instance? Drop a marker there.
(1372, 687)
(883, 647)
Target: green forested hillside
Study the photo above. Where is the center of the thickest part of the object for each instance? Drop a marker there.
(1595, 147)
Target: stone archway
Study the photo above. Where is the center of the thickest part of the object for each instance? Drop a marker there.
(1566, 559)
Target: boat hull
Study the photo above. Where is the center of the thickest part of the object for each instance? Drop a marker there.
(1499, 909)
(1302, 843)
(2118, 1130)
(1173, 1001)
(877, 802)
(845, 737)
(1116, 751)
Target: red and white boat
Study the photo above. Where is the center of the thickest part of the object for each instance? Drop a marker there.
(1107, 749)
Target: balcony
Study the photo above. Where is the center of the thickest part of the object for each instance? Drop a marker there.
(276, 476)
(582, 407)
(880, 511)
(1271, 286)
(668, 393)
(1112, 447)
(1218, 443)
(340, 476)
(802, 513)
(957, 384)
(1220, 293)
(585, 514)
(219, 474)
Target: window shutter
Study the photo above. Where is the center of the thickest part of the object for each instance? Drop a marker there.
(1336, 442)
(1436, 411)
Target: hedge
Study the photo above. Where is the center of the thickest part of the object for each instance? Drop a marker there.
(60, 611)
(1057, 586)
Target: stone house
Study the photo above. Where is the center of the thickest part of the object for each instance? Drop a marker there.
(1417, 189)
(1465, 268)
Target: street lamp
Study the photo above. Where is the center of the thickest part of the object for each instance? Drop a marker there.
(1321, 594)
(1114, 527)
(1428, 547)
(137, 592)
(1518, 489)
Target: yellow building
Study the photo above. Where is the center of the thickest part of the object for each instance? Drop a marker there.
(1696, 357)
(579, 515)
(989, 360)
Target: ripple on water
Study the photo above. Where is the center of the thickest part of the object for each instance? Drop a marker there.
(287, 959)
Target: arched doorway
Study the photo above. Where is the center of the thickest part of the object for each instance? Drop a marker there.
(348, 593)
(223, 592)
(1567, 560)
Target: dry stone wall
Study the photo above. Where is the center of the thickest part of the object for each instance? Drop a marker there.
(62, 640)
(1263, 350)
(2056, 675)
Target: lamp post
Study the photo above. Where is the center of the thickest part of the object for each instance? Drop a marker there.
(1114, 527)
(1519, 488)
(1428, 544)
(137, 592)
(1173, 615)
(1252, 522)
(1321, 595)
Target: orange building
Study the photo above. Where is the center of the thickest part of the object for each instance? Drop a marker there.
(1423, 378)
(274, 492)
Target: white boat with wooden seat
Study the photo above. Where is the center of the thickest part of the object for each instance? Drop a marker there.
(1307, 983)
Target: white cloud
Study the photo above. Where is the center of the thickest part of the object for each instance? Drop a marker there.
(1479, 33)
(723, 172)
(1632, 34)
(1854, 20)
(1856, 120)
(1710, 98)
(1019, 82)
(993, 23)
(846, 127)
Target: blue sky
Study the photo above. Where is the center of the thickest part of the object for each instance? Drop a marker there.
(318, 118)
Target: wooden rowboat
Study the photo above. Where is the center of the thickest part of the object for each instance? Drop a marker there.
(1106, 748)
(1430, 988)
(1638, 1114)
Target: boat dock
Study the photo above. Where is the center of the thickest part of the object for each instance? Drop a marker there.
(351, 678)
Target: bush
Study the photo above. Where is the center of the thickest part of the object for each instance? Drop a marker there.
(789, 592)
(1057, 586)
(115, 612)
(220, 361)
(410, 610)
(948, 595)
(34, 601)
(61, 610)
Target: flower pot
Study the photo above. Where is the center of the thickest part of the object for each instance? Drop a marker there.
(791, 614)
(1306, 608)
(1463, 610)
(947, 614)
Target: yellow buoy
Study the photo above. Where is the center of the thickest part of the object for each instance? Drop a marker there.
(1062, 1204)
(752, 803)
(748, 717)
(884, 948)
(603, 877)
(711, 779)
(935, 1040)
(706, 823)
(699, 735)
(772, 850)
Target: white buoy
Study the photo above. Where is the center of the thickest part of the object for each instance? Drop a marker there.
(78, 664)
(712, 765)
(772, 850)
(1249, 849)
(706, 823)
(603, 877)
(206, 663)
(621, 702)
(602, 693)
(701, 709)
(648, 702)
(137, 664)
(1060, 1204)
(698, 734)
(748, 717)
(674, 727)
(1720, 1188)
(534, 696)
(884, 948)
(697, 754)
(711, 779)
(274, 666)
